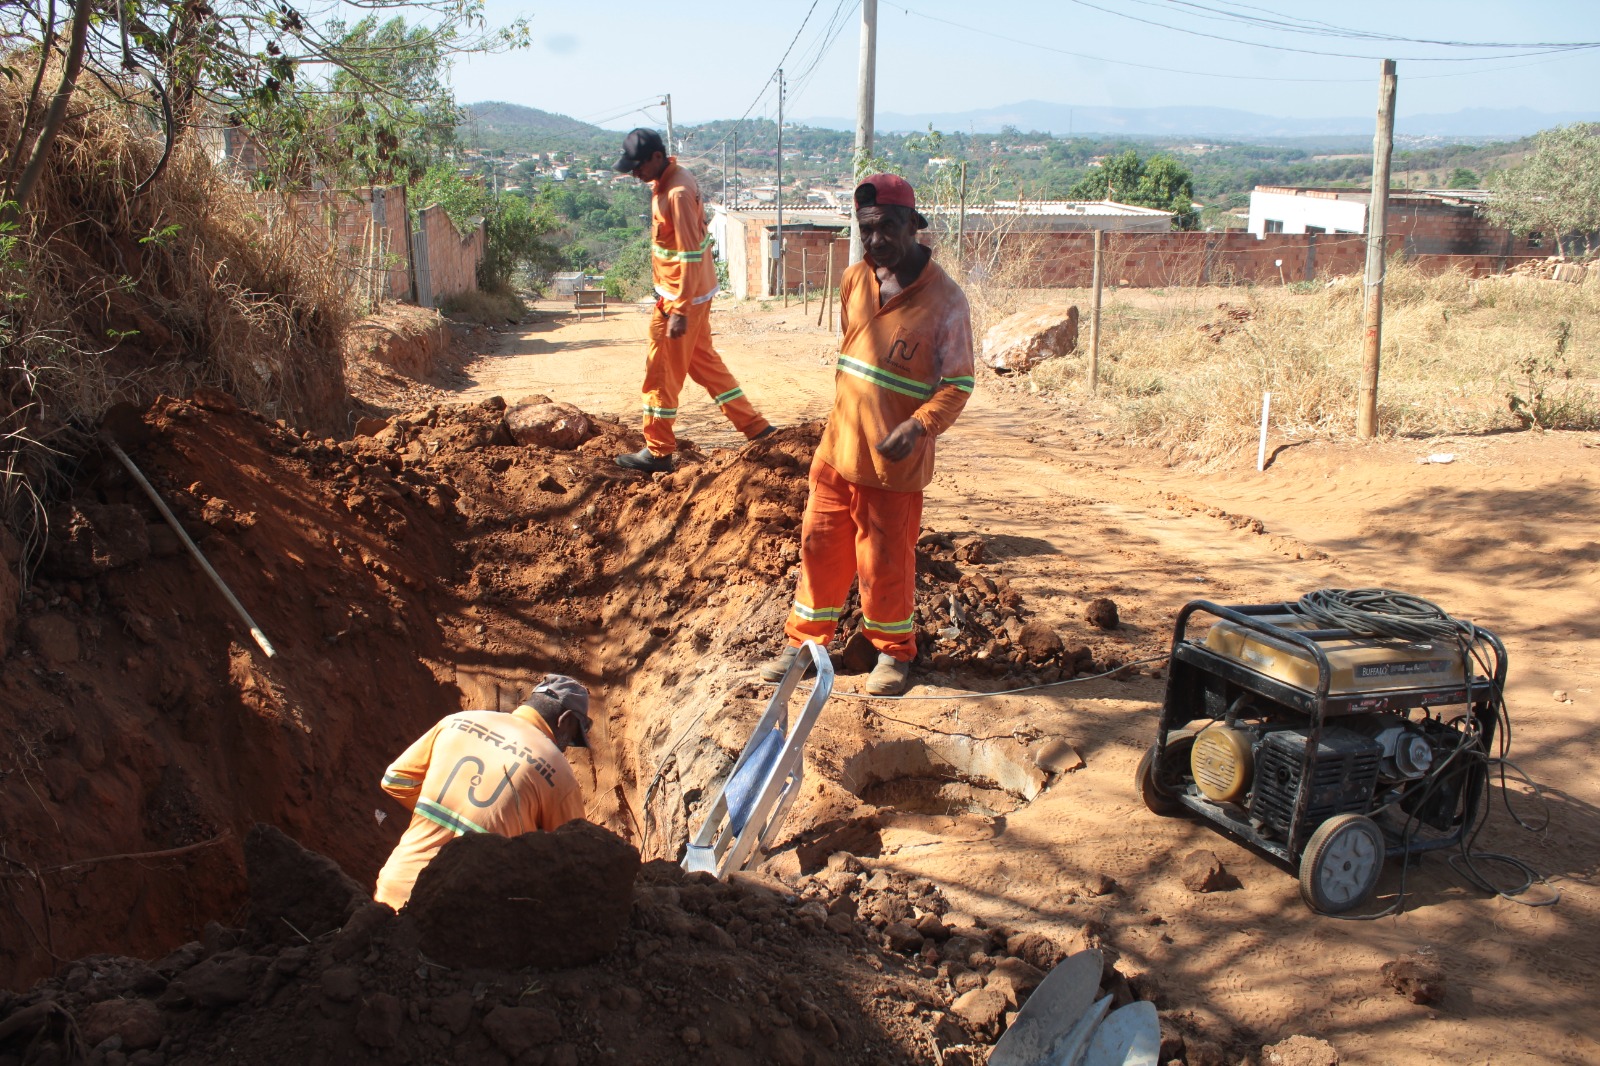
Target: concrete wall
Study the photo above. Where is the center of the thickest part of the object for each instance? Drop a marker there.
(1295, 211)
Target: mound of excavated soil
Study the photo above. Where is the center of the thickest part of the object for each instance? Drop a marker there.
(855, 968)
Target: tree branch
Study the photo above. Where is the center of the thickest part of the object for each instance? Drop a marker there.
(56, 115)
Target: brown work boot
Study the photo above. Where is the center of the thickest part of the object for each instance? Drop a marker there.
(774, 669)
(890, 677)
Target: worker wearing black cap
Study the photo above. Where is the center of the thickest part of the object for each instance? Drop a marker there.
(685, 277)
(486, 772)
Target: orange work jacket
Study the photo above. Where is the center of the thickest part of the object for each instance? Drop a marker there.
(910, 358)
(681, 262)
(475, 772)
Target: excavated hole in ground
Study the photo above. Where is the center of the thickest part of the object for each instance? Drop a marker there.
(945, 775)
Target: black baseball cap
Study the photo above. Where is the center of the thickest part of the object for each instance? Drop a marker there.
(637, 148)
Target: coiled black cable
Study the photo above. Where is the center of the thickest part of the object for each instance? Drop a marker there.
(1399, 615)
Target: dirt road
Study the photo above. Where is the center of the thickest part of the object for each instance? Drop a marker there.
(1504, 534)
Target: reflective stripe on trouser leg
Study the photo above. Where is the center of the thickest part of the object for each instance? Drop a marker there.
(707, 370)
(666, 364)
(827, 558)
(887, 524)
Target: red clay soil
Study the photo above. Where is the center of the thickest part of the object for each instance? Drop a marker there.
(400, 576)
(690, 970)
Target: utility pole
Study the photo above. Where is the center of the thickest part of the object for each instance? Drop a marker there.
(1377, 229)
(666, 101)
(777, 248)
(735, 138)
(866, 81)
(724, 175)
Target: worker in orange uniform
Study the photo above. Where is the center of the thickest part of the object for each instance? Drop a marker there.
(486, 772)
(904, 375)
(685, 278)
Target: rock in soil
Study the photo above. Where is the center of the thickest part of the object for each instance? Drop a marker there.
(1300, 1051)
(1102, 613)
(560, 426)
(1415, 976)
(1202, 871)
(541, 899)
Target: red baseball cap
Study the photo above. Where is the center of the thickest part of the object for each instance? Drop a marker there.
(888, 190)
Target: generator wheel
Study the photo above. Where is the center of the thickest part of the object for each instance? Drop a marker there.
(1158, 795)
(1341, 864)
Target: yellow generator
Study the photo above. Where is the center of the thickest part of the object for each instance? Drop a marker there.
(1331, 733)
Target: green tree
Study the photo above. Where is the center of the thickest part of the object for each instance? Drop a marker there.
(1462, 178)
(184, 63)
(516, 228)
(1160, 182)
(1556, 190)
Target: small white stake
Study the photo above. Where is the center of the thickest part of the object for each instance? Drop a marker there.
(1261, 451)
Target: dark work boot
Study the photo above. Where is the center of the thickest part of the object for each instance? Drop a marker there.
(890, 677)
(769, 431)
(774, 669)
(644, 459)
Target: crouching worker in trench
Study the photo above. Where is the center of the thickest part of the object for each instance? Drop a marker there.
(904, 375)
(486, 772)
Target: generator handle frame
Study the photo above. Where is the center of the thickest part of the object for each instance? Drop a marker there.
(1246, 617)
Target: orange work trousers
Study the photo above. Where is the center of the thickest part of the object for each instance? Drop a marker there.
(850, 529)
(671, 359)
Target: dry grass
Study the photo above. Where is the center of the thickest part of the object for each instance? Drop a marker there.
(114, 294)
(1182, 373)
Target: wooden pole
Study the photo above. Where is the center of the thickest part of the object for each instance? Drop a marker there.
(1094, 313)
(827, 290)
(1377, 229)
(866, 110)
(805, 281)
(961, 222)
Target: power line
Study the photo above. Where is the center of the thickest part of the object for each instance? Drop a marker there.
(1313, 51)
(1118, 62)
(737, 126)
(1295, 24)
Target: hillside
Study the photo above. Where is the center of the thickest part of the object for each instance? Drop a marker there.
(493, 124)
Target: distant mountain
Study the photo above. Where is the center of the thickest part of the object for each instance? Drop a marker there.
(1222, 123)
(494, 117)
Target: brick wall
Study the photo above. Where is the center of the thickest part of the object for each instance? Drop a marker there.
(1154, 260)
(447, 259)
(366, 229)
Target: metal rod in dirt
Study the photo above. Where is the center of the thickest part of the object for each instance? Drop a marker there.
(1261, 449)
(1377, 228)
(1094, 313)
(194, 550)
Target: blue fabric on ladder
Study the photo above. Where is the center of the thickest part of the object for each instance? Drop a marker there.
(744, 787)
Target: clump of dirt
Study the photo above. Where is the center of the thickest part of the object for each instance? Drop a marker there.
(857, 966)
(541, 899)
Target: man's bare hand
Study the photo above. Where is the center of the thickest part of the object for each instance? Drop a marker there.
(677, 325)
(901, 441)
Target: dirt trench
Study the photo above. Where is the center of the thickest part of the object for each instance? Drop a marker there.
(432, 565)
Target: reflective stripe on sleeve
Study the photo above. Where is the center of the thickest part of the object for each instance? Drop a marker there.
(444, 816)
(400, 780)
(964, 384)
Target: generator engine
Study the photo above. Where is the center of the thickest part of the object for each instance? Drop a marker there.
(1321, 744)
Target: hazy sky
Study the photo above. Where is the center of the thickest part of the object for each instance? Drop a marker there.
(604, 60)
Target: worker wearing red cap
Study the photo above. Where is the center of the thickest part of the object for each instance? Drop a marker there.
(904, 374)
(486, 772)
(685, 278)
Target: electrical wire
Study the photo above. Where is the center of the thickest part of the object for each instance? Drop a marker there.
(1317, 52)
(1295, 24)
